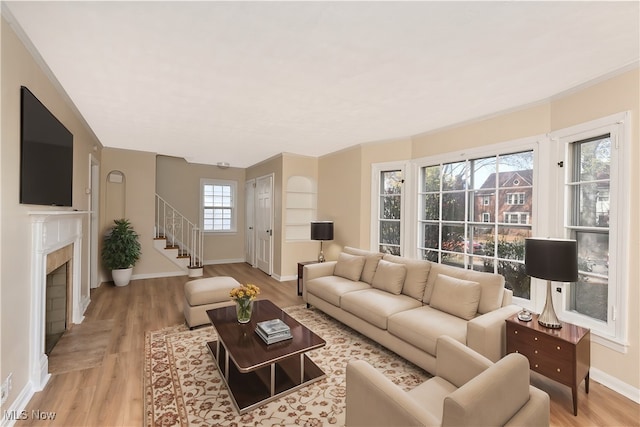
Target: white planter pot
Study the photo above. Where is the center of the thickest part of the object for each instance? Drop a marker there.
(121, 277)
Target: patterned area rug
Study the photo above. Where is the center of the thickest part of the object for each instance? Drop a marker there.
(183, 387)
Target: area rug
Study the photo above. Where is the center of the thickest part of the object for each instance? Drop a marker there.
(183, 387)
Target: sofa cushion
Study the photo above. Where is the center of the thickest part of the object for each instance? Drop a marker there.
(417, 274)
(349, 266)
(331, 288)
(375, 306)
(389, 277)
(456, 296)
(422, 326)
(491, 285)
(370, 264)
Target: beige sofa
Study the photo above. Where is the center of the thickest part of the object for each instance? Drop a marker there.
(406, 304)
(468, 390)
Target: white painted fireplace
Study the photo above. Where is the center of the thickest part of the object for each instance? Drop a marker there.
(51, 231)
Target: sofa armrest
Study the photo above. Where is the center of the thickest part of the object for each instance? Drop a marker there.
(457, 363)
(313, 271)
(373, 400)
(536, 412)
(486, 334)
(492, 398)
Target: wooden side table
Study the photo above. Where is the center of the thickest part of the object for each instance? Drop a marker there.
(301, 265)
(564, 354)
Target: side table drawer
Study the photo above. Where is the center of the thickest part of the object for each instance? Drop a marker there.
(521, 337)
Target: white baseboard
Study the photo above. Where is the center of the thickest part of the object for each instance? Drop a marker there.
(16, 411)
(615, 384)
(285, 278)
(223, 261)
(158, 275)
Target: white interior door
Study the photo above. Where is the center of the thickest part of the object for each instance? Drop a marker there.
(250, 214)
(264, 223)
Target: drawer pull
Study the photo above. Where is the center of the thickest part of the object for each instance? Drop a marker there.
(535, 351)
(558, 348)
(515, 332)
(536, 365)
(535, 338)
(558, 369)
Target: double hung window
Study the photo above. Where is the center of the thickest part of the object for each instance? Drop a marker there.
(218, 205)
(595, 214)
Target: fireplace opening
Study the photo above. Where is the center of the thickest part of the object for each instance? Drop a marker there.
(56, 307)
(57, 296)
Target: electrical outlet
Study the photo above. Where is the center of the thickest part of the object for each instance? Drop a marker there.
(5, 389)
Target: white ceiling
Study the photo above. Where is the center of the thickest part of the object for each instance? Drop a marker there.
(239, 82)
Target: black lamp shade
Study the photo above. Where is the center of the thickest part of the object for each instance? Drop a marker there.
(551, 259)
(321, 230)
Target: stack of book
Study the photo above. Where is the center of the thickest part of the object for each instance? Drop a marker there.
(272, 331)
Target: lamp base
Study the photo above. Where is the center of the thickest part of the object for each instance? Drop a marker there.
(321, 257)
(548, 317)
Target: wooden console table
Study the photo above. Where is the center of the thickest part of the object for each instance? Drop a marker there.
(564, 354)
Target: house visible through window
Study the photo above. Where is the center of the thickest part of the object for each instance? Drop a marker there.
(218, 205)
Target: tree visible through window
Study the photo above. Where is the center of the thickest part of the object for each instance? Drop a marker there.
(390, 211)
(589, 188)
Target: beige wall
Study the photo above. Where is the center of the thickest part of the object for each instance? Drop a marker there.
(345, 182)
(139, 169)
(19, 68)
(178, 182)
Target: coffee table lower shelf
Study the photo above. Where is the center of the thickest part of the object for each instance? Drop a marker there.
(251, 389)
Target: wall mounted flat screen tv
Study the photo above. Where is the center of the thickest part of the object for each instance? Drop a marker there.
(46, 155)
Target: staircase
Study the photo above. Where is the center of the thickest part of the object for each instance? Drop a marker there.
(178, 239)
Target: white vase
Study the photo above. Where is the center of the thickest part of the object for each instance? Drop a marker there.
(122, 276)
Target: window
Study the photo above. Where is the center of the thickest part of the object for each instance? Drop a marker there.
(486, 200)
(595, 212)
(390, 211)
(218, 203)
(387, 207)
(454, 226)
(515, 198)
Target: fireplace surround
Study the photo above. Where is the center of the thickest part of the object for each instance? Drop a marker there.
(51, 233)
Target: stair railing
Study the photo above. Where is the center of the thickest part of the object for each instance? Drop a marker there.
(179, 232)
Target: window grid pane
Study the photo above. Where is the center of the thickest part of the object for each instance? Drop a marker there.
(589, 210)
(390, 206)
(464, 206)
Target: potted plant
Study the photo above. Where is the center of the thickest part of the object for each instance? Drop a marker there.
(121, 251)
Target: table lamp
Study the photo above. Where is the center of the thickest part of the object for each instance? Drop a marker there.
(321, 230)
(551, 260)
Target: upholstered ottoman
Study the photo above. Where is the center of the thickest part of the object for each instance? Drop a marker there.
(204, 294)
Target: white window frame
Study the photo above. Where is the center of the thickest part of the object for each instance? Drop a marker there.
(524, 144)
(233, 208)
(376, 170)
(612, 333)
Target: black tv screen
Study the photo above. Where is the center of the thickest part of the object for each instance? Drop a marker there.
(46, 155)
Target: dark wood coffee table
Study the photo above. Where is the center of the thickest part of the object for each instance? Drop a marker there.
(260, 373)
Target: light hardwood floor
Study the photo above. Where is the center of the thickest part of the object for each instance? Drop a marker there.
(99, 363)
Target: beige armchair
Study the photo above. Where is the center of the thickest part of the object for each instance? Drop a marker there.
(468, 390)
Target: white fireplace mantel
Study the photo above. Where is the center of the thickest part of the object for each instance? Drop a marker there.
(50, 231)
